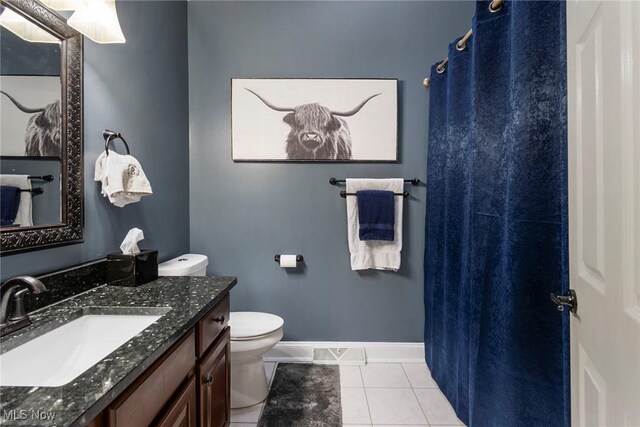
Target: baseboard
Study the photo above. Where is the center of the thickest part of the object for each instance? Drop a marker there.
(376, 352)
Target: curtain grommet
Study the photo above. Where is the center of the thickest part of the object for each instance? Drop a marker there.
(495, 6)
(462, 43)
(442, 66)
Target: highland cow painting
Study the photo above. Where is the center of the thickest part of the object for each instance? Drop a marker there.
(31, 116)
(329, 120)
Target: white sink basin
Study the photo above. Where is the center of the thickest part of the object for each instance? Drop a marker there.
(59, 356)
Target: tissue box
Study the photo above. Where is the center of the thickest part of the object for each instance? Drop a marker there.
(132, 270)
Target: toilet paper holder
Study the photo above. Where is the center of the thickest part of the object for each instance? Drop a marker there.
(299, 258)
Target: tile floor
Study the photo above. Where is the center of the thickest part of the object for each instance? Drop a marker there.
(379, 394)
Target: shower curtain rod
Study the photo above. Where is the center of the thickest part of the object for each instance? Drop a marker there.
(494, 6)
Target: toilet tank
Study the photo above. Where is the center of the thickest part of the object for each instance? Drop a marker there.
(184, 265)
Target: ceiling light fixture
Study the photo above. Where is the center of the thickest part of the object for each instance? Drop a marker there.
(98, 20)
(95, 19)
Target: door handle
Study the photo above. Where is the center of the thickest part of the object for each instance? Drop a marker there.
(570, 300)
(207, 381)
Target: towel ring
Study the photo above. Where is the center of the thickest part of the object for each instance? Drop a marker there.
(109, 136)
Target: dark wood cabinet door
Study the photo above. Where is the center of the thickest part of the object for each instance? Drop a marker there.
(215, 384)
(182, 412)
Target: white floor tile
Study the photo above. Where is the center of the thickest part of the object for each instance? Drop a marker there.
(247, 415)
(350, 376)
(394, 406)
(398, 425)
(419, 375)
(242, 425)
(436, 407)
(354, 406)
(384, 375)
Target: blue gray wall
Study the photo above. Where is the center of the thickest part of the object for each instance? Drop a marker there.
(139, 88)
(242, 214)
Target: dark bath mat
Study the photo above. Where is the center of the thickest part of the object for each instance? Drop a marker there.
(303, 395)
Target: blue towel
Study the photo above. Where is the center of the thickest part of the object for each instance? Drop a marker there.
(9, 204)
(376, 213)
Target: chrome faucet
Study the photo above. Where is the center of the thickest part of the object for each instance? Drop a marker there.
(14, 289)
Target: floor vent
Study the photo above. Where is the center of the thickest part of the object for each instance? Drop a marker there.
(339, 356)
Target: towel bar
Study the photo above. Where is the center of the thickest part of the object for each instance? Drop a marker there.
(35, 191)
(344, 194)
(334, 181)
(45, 178)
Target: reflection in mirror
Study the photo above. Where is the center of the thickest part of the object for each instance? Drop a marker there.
(24, 28)
(30, 86)
(30, 123)
(41, 205)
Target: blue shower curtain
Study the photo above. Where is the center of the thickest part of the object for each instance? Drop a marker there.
(496, 220)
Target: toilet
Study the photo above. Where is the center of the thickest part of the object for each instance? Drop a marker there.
(184, 265)
(252, 334)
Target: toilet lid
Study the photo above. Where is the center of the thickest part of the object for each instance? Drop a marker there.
(247, 324)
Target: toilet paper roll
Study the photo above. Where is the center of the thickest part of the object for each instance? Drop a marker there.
(288, 261)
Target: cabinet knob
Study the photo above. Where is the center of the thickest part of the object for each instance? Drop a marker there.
(207, 380)
(219, 319)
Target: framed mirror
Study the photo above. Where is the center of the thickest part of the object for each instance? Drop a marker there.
(41, 171)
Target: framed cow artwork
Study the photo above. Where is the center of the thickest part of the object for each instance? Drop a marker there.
(325, 120)
(31, 116)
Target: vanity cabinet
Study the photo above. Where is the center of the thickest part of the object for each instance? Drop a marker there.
(188, 386)
(146, 398)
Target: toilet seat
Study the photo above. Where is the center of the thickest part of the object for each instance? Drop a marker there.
(249, 325)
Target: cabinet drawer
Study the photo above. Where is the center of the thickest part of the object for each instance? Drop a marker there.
(212, 324)
(141, 403)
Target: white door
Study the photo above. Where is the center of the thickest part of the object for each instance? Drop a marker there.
(603, 39)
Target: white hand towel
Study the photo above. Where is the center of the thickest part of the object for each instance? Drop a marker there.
(374, 254)
(24, 217)
(122, 177)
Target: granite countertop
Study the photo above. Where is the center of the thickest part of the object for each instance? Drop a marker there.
(79, 401)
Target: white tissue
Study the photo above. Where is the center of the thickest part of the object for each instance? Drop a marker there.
(129, 245)
(288, 261)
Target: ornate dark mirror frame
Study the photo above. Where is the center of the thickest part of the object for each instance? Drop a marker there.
(70, 230)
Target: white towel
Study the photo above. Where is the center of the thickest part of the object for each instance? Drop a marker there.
(24, 217)
(374, 254)
(122, 177)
